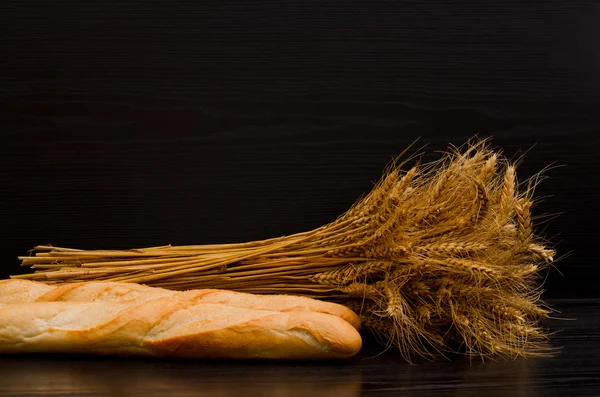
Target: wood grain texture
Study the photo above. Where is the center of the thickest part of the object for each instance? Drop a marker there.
(129, 124)
(573, 372)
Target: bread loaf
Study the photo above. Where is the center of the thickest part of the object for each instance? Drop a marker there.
(23, 291)
(168, 327)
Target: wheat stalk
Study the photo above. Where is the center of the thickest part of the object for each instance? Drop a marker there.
(440, 258)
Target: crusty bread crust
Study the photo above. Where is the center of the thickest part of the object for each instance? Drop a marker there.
(23, 291)
(168, 327)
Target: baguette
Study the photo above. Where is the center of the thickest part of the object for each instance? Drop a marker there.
(23, 291)
(167, 327)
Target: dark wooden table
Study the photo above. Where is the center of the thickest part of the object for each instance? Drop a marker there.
(575, 371)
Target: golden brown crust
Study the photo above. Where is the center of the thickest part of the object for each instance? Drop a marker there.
(21, 291)
(130, 292)
(173, 328)
(284, 303)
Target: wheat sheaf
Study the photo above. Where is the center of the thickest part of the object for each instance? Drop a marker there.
(438, 258)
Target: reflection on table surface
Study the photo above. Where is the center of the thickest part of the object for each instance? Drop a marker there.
(575, 371)
(45, 375)
(129, 377)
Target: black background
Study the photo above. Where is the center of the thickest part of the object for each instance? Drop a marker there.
(132, 124)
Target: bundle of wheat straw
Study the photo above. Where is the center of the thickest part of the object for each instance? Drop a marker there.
(438, 258)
